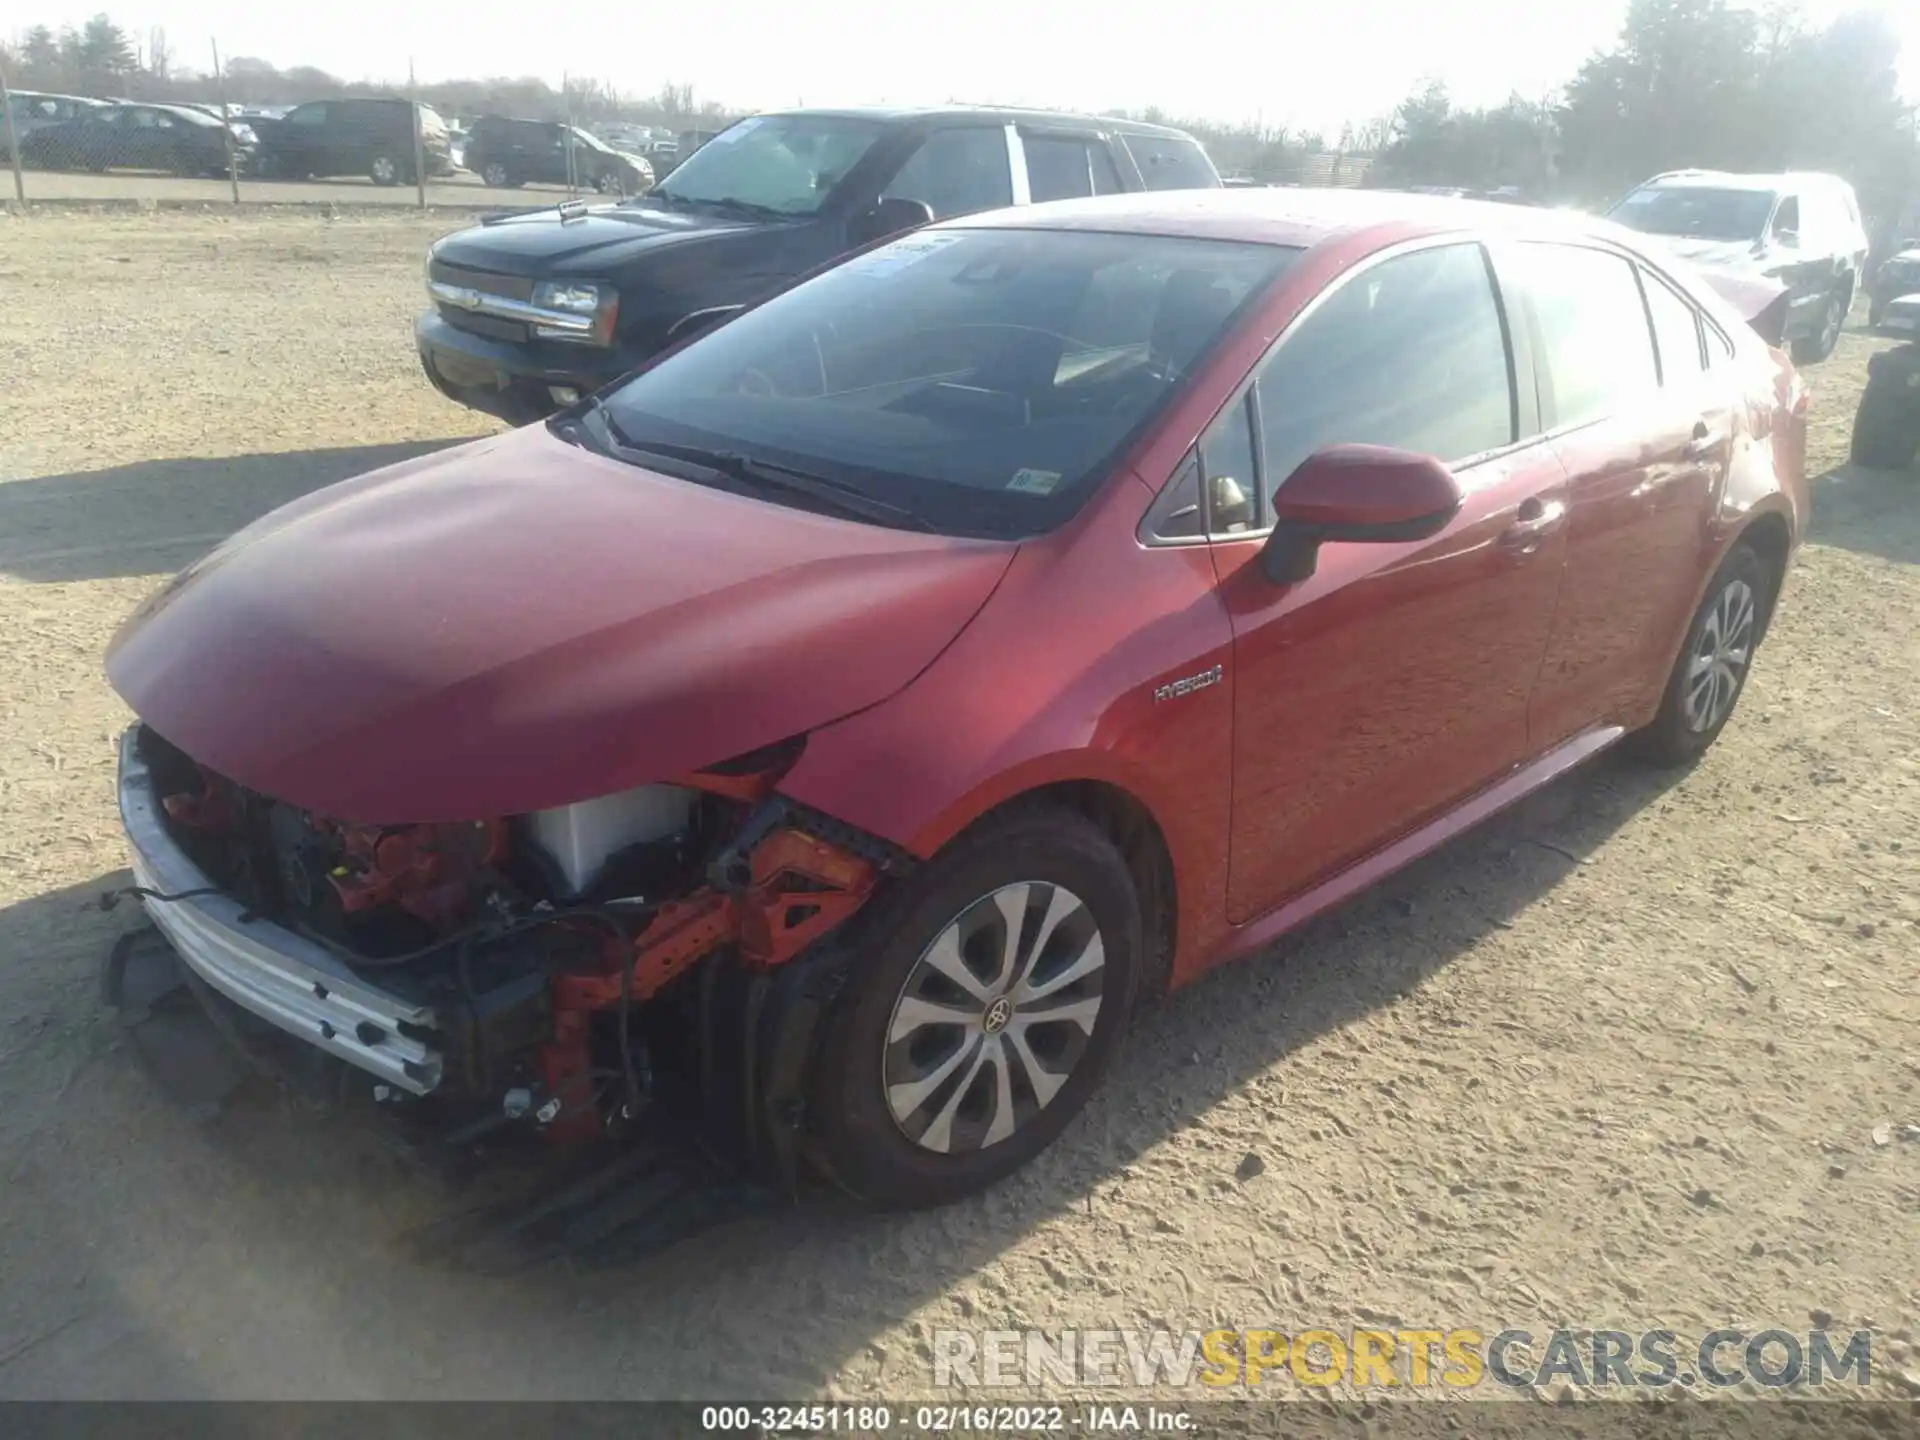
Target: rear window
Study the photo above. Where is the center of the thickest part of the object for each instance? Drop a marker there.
(984, 379)
(1599, 347)
(1171, 162)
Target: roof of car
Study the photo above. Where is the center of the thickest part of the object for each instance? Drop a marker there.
(894, 114)
(1735, 180)
(1296, 216)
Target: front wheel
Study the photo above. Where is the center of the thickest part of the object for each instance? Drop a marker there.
(495, 175)
(990, 994)
(1811, 349)
(1712, 668)
(383, 169)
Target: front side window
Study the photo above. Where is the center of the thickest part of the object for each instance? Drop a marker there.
(1786, 220)
(1410, 352)
(984, 379)
(957, 172)
(784, 163)
(1593, 327)
(1068, 167)
(315, 114)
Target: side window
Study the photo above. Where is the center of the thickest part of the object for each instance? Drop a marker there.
(957, 172)
(1676, 331)
(1228, 473)
(1171, 162)
(1787, 217)
(1410, 352)
(1593, 329)
(314, 114)
(143, 119)
(1067, 167)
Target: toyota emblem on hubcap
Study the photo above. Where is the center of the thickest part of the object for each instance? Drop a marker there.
(998, 1013)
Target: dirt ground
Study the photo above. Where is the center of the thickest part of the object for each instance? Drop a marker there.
(1617, 1060)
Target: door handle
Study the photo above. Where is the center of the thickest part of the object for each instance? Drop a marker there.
(1535, 519)
(1704, 441)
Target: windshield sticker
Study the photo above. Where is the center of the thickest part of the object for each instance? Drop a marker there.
(900, 254)
(1034, 482)
(744, 128)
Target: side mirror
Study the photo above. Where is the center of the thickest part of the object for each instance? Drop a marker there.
(1355, 493)
(1788, 238)
(890, 216)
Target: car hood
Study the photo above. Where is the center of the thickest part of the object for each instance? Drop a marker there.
(517, 624)
(605, 239)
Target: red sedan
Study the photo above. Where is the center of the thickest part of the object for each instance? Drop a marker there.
(836, 729)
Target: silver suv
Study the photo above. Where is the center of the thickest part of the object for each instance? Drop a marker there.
(1801, 229)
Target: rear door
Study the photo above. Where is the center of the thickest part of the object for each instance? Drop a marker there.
(1068, 164)
(1644, 431)
(1394, 681)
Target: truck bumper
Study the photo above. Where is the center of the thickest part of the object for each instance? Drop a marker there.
(515, 383)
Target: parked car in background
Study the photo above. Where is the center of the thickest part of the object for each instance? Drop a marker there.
(507, 153)
(31, 110)
(1897, 279)
(357, 136)
(530, 311)
(836, 731)
(176, 138)
(1801, 229)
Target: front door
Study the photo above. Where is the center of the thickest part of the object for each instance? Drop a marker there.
(1395, 680)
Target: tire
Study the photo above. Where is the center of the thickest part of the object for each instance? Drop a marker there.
(1741, 592)
(1041, 863)
(608, 183)
(494, 176)
(1886, 427)
(383, 169)
(1811, 349)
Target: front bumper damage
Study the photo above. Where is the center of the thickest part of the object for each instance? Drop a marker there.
(725, 986)
(281, 977)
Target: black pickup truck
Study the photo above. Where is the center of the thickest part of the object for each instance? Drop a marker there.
(533, 309)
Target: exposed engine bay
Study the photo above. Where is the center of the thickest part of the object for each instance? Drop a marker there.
(560, 953)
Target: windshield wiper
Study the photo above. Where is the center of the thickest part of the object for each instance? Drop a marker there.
(755, 474)
(739, 207)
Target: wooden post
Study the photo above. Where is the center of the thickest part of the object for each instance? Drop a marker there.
(226, 122)
(13, 139)
(419, 151)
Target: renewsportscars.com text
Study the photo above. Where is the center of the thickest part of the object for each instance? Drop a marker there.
(1457, 1359)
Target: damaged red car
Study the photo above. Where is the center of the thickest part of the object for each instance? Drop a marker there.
(838, 728)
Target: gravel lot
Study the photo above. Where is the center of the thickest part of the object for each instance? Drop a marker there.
(1617, 1060)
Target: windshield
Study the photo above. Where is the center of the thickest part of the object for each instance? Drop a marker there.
(788, 163)
(592, 142)
(1696, 212)
(983, 380)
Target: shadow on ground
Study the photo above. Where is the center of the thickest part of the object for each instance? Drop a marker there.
(311, 1211)
(1871, 512)
(156, 516)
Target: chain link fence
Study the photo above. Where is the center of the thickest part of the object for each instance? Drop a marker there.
(211, 137)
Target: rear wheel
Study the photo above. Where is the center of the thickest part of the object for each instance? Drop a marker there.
(383, 169)
(991, 993)
(495, 175)
(1712, 667)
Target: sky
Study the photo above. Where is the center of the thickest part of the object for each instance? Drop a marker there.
(1303, 66)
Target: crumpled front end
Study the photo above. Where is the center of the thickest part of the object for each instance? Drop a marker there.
(544, 968)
